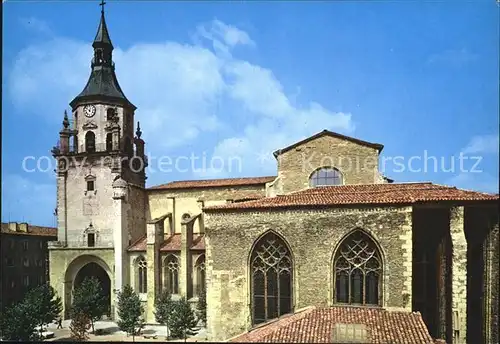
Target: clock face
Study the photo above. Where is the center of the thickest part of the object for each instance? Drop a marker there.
(89, 110)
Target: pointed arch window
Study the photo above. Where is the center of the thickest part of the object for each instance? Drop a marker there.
(326, 176)
(90, 142)
(200, 274)
(142, 275)
(358, 271)
(171, 273)
(271, 278)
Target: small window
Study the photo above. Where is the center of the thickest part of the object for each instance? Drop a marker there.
(26, 262)
(41, 279)
(90, 185)
(25, 245)
(110, 114)
(12, 244)
(10, 262)
(40, 262)
(12, 284)
(26, 280)
(90, 142)
(91, 240)
(109, 142)
(41, 245)
(185, 216)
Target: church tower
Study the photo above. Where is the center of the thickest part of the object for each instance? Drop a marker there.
(100, 181)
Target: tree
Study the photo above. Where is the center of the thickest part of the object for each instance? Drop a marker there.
(18, 323)
(164, 310)
(201, 307)
(44, 304)
(89, 299)
(130, 312)
(79, 326)
(183, 320)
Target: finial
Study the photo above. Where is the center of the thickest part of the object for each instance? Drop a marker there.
(102, 6)
(66, 120)
(138, 131)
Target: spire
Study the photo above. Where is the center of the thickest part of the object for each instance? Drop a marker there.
(102, 83)
(102, 37)
(138, 132)
(65, 120)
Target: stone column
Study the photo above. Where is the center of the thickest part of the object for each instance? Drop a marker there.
(459, 275)
(185, 268)
(155, 237)
(120, 241)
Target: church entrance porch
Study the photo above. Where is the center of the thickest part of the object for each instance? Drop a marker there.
(95, 270)
(68, 269)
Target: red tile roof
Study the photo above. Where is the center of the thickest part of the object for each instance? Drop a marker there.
(395, 193)
(207, 183)
(171, 243)
(32, 230)
(377, 146)
(317, 325)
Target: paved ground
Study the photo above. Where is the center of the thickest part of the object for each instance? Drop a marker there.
(113, 333)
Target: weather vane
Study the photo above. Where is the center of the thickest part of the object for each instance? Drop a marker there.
(102, 5)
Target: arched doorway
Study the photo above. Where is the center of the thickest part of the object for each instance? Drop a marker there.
(80, 268)
(95, 270)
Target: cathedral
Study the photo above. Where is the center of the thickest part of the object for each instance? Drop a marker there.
(347, 240)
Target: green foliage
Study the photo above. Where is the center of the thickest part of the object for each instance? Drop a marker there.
(164, 309)
(39, 307)
(183, 320)
(130, 311)
(89, 299)
(201, 307)
(19, 322)
(44, 303)
(80, 324)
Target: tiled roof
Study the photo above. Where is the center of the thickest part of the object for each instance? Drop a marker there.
(395, 193)
(377, 146)
(317, 325)
(32, 230)
(191, 184)
(171, 243)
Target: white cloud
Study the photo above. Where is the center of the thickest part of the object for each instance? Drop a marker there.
(26, 200)
(474, 181)
(486, 144)
(183, 92)
(455, 57)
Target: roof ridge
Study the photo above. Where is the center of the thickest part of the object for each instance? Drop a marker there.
(209, 180)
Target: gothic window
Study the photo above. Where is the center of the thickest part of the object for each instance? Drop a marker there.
(109, 142)
(171, 273)
(200, 274)
(358, 271)
(326, 176)
(142, 275)
(26, 280)
(90, 142)
(25, 245)
(271, 278)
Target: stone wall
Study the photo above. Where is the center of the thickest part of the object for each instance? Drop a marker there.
(136, 214)
(358, 163)
(312, 237)
(191, 201)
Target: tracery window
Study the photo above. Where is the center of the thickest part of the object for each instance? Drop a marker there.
(358, 271)
(200, 274)
(142, 275)
(326, 176)
(271, 269)
(171, 273)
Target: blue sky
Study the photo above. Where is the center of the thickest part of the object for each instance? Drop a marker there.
(222, 79)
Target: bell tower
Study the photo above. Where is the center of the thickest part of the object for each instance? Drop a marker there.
(101, 175)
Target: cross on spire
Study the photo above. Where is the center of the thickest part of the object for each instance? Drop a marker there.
(102, 6)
